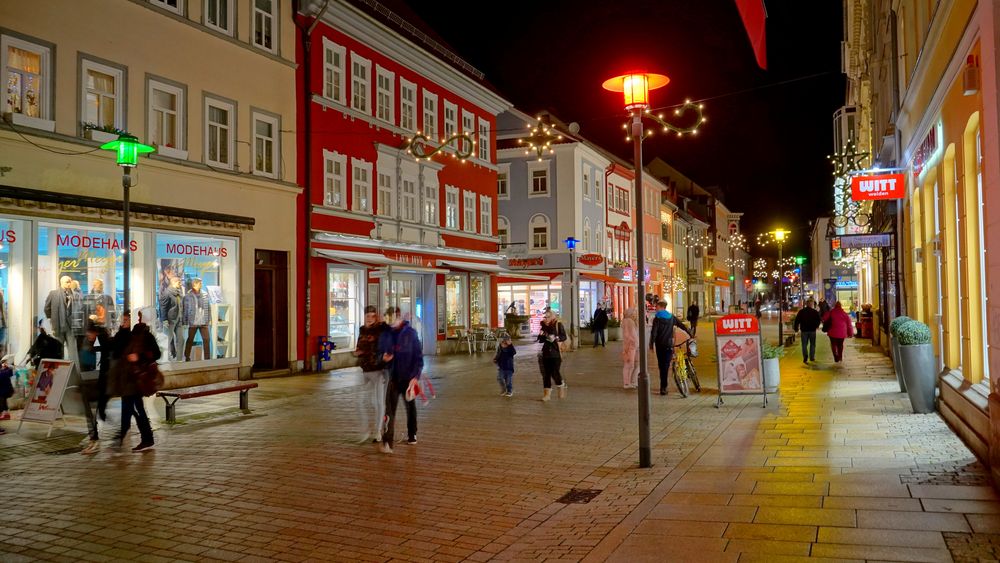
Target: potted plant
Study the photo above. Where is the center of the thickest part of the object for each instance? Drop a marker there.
(916, 360)
(894, 348)
(772, 368)
(614, 328)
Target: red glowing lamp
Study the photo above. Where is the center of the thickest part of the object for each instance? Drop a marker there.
(636, 86)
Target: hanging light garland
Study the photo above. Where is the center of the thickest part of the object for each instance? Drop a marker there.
(421, 146)
(667, 127)
(540, 138)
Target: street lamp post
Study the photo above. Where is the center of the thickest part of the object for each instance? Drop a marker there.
(571, 243)
(128, 148)
(635, 88)
(779, 237)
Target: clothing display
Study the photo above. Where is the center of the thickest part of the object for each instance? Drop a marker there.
(100, 308)
(196, 317)
(171, 309)
(64, 309)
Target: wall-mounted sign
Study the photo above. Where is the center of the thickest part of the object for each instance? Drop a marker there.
(591, 259)
(847, 284)
(882, 240)
(525, 262)
(926, 151)
(883, 186)
(624, 274)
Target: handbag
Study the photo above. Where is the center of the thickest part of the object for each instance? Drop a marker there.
(827, 324)
(148, 379)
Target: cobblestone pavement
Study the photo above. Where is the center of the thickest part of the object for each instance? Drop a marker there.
(835, 468)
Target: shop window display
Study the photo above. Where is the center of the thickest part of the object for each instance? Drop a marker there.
(14, 305)
(343, 289)
(479, 300)
(455, 297)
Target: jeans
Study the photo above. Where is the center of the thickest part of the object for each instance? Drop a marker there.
(550, 371)
(375, 385)
(630, 371)
(192, 330)
(837, 345)
(132, 405)
(505, 377)
(663, 357)
(175, 339)
(599, 335)
(809, 338)
(393, 391)
(694, 326)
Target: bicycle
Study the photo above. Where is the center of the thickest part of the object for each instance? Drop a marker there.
(683, 368)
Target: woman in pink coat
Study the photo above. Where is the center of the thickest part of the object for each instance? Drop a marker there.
(630, 349)
(840, 327)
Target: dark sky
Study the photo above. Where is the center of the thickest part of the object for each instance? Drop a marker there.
(768, 132)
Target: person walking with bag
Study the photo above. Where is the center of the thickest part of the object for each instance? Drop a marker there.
(661, 338)
(551, 333)
(599, 325)
(139, 377)
(376, 378)
(807, 320)
(402, 352)
(630, 349)
(840, 327)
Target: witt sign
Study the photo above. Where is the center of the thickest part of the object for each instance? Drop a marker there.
(885, 186)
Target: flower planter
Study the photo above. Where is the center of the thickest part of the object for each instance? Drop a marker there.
(920, 375)
(894, 344)
(772, 374)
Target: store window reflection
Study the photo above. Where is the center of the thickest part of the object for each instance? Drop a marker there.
(14, 304)
(343, 308)
(479, 301)
(455, 297)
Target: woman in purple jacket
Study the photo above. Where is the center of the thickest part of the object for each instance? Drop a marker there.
(840, 327)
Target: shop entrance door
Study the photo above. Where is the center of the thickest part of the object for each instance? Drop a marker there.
(270, 342)
(406, 292)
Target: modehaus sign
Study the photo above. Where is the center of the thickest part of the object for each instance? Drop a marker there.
(883, 186)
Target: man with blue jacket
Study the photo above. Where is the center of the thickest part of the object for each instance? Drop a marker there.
(661, 337)
(404, 357)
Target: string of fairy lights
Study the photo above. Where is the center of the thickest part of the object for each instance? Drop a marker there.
(540, 137)
(667, 127)
(420, 146)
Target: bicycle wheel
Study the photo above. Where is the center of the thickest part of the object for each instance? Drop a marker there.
(682, 386)
(693, 375)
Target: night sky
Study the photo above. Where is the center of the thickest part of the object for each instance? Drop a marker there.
(768, 131)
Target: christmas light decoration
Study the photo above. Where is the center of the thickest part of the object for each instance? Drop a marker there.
(420, 146)
(674, 284)
(540, 139)
(846, 162)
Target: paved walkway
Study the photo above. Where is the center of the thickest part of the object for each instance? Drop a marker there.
(835, 468)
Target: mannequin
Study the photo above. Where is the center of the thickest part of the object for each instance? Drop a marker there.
(171, 313)
(63, 308)
(196, 317)
(100, 307)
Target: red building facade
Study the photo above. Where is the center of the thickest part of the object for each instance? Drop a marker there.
(379, 225)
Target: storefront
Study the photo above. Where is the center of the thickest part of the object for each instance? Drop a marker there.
(530, 299)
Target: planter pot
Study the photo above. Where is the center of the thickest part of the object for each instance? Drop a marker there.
(894, 344)
(614, 333)
(772, 374)
(920, 375)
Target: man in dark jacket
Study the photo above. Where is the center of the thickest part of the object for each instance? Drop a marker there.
(171, 313)
(401, 350)
(692, 317)
(376, 378)
(661, 338)
(808, 320)
(599, 324)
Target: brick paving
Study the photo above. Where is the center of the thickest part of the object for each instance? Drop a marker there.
(836, 468)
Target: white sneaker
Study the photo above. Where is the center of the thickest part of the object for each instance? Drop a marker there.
(511, 394)
(503, 394)
(384, 448)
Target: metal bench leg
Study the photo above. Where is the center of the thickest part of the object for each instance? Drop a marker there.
(245, 400)
(171, 411)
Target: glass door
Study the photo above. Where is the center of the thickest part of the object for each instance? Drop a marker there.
(406, 292)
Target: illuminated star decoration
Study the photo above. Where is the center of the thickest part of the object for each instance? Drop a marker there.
(667, 127)
(540, 139)
(420, 146)
(674, 284)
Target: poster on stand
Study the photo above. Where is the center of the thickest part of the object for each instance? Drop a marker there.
(738, 349)
(46, 394)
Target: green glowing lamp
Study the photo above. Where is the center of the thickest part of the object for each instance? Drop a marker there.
(128, 148)
(800, 260)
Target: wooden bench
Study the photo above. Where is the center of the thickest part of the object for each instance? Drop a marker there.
(243, 387)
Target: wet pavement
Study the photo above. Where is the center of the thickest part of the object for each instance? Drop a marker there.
(835, 467)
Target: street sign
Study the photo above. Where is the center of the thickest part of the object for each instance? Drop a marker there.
(740, 362)
(881, 240)
(883, 186)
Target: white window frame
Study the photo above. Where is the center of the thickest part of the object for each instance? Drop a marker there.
(598, 191)
(586, 182)
(485, 215)
(408, 200)
(450, 125)
(407, 122)
(469, 209)
(386, 194)
(331, 179)
(361, 189)
(542, 221)
(45, 119)
(178, 8)
(333, 86)
(429, 115)
(385, 111)
(180, 118)
(483, 140)
(533, 167)
(431, 214)
(231, 127)
(469, 128)
(365, 85)
(585, 243)
(226, 29)
(275, 122)
(451, 216)
(503, 231)
(118, 121)
(503, 179)
(271, 18)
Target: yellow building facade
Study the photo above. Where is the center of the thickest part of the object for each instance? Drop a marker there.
(212, 86)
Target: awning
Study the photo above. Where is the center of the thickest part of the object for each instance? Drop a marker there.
(519, 277)
(601, 277)
(502, 273)
(380, 262)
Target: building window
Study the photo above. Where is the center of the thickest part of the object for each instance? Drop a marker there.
(361, 183)
(386, 85)
(503, 186)
(166, 119)
(361, 70)
(219, 126)
(103, 103)
(409, 211)
(538, 232)
(264, 17)
(450, 119)
(479, 300)
(219, 16)
(176, 6)
(451, 207)
(540, 182)
(333, 70)
(455, 299)
(598, 241)
(485, 215)
(344, 306)
(484, 140)
(407, 105)
(585, 243)
(431, 197)
(598, 192)
(468, 129)
(503, 231)
(386, 194)
(333, 179)
(469, 212)
(586, 185)
(265, 145)
(28, 76)
(430, 115)
(983, 295)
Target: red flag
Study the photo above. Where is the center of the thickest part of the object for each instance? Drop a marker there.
(754, 16)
